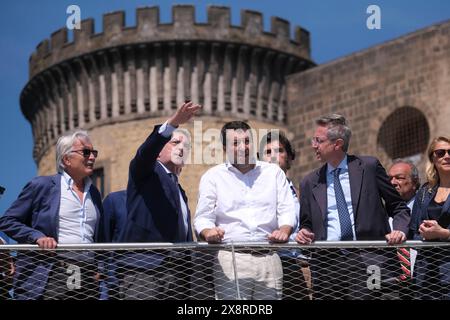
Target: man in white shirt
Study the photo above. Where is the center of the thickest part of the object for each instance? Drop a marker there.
(63, 208)
(244, 200)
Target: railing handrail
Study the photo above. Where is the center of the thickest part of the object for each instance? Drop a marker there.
(197, 245)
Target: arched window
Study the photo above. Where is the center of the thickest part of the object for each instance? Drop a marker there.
(405, 133)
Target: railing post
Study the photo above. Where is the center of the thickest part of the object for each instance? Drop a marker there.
(236, 280)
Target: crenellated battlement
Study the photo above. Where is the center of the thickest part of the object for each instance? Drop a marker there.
(182, 28)
(129, 73)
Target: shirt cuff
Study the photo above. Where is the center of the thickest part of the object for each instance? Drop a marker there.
(200, 226)
(166, 130)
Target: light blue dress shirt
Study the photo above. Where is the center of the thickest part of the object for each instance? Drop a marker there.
(333, 224)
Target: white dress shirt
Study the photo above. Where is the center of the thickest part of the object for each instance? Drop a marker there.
(77, 219)
(248, 207)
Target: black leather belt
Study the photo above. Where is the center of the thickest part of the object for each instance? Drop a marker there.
(255, 252)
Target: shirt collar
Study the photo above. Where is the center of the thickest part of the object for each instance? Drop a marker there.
(343, 166)
(69, 181)
(165, 168)
(229, 166)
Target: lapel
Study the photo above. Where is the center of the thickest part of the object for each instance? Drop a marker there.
(55, 194)
(189, 231)
(355, 172)
(446, 206)
(170, 189)
(319, 190)
(426, 201)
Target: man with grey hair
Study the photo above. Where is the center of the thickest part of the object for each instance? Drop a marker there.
(348, 198)
(404, 177)
(58, 209)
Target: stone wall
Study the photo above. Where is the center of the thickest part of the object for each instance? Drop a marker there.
(406, 80)
(117, 145)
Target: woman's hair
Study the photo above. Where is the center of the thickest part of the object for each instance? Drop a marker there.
(431, 172)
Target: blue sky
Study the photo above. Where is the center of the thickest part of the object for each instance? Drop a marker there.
(337, 28)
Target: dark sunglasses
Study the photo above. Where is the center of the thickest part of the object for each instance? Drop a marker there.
(441, 152)
(86, 152)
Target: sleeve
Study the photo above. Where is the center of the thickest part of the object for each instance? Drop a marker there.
(107, 220)
(166, 130)
(17, 219)
(205, 215)
(144, 161)
(416, 216)
(285, 202)
(305, 205)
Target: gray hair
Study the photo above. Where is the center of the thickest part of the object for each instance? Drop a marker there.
(64, 146)
(414, 171)
(337, 128)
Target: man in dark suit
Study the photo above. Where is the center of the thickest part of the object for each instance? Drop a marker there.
(114, 218)
(63, 208)
(348, 198)
(158, 212)
(115, 215)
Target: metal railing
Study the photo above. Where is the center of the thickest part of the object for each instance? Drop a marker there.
(199, 271)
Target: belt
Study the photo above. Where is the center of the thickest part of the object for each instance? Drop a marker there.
(255, 252)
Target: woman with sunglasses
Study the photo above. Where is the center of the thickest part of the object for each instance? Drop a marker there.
(430, 221)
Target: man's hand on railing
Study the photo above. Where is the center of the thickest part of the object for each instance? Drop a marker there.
(213, 235)
(304, 236)
(396, 237)
(46, 243)
(280, 235)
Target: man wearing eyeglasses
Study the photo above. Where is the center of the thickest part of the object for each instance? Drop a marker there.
(61, 209)
(348, 198)
(158, 212)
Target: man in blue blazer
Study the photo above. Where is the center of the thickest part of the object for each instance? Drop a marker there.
(59, 209)
(348, 198)
(114, 215)
(158, 212)
(114, 218)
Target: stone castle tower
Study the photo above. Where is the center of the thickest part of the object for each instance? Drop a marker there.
(119, 83)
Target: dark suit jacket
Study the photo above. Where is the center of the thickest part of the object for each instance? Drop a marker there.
(153, 202)
(114, 215)
(432, 268)
(420, 210)
(369, 186)
(33, 215)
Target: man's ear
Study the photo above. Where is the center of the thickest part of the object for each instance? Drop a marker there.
(340, 143)
(66, 160)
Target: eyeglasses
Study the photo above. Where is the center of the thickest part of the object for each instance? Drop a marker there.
(440, 153)
(317, 140)
(86, 152)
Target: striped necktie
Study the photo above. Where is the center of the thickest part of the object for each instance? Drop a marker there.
(404, 257)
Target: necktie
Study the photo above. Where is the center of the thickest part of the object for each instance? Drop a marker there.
(405, 263)
(344, 215)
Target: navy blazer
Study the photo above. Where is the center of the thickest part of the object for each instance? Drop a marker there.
(33, 215)
(420, 210)
(153, 202)
(369, 186)
(432, 269)
(114, 215)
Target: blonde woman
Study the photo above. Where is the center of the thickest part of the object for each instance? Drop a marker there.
(430, 221)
